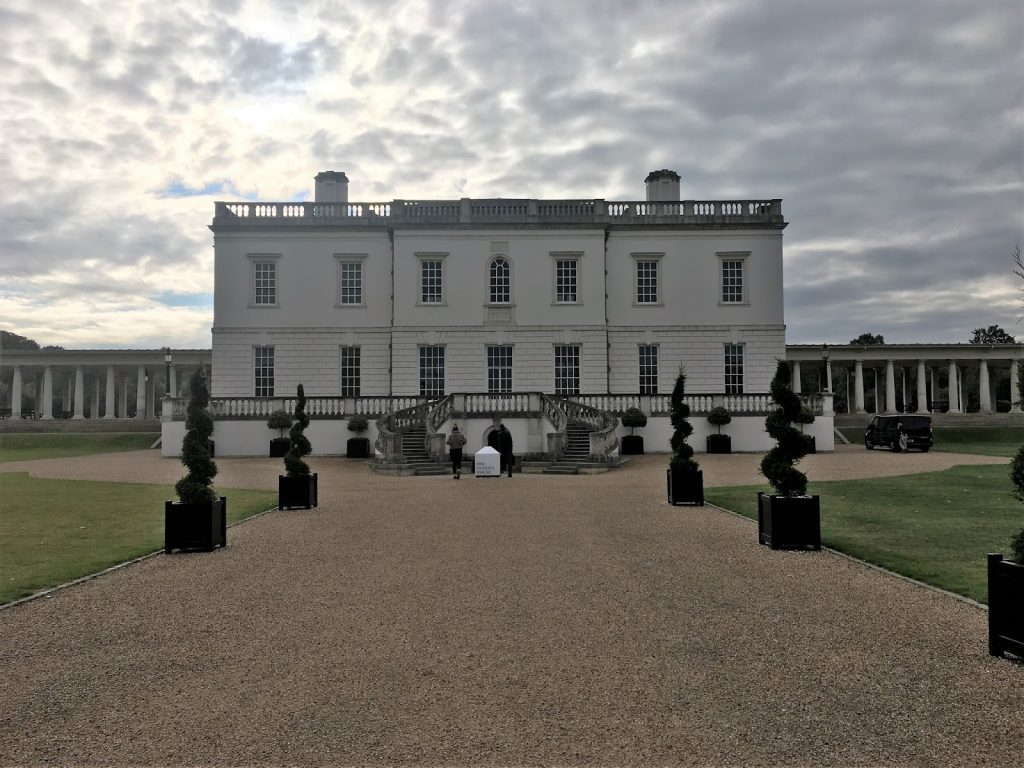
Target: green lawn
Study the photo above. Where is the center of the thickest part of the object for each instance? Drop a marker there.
(55, 445)
(987, 441)
(54, 531)
(934, 527)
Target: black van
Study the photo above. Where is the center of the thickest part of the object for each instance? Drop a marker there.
(884, 431)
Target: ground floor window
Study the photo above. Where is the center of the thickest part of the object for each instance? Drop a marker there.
(499, 369)
(349, 372)
(648, 369)
(567, 370)
(263, 365)
(432, 371)
(734, 369)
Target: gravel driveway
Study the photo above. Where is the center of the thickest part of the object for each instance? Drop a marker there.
(537, 620)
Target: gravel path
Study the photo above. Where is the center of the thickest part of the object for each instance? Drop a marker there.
(538, 620)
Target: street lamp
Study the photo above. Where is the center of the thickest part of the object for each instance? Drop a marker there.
(168, 358)
(825, 352)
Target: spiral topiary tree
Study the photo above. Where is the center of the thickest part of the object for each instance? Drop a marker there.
(196, 486)
(682, 453)
(791, 444)
(1017, 476)
(293, 463)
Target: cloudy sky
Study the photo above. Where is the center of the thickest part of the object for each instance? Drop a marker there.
(892, 130)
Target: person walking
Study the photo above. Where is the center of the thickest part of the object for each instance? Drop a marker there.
(902, 437)
(456, 442)
(505, 448)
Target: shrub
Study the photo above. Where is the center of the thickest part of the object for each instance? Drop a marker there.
(634, 417)
(718, 417)
(1017, 476)
(300, 446)
(195, 487)
(1017, 545)
(358, 424)
(791, 445)
(279, 420)
(682, 454)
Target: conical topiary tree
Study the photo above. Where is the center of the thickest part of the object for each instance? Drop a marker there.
(196, 486)
(293, 463)
(682, 453)
(791, 444)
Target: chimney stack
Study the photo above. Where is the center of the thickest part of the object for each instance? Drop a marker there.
(331, 187)
(662, 186)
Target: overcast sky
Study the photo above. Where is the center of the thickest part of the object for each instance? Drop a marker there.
(893, 131)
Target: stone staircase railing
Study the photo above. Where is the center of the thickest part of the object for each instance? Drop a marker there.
(603, 440)
(435, 419)
(557, 441)
(389, 429)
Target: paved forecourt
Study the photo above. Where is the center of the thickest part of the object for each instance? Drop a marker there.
(533, 620)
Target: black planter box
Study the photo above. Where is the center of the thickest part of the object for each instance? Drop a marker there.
(1005, 606)
(279, 447)
(719, 444)
(792, 522)
(632, 445)
(813, 443)
(195, 526)
(357, 448)
(685, 486)
(296, 491)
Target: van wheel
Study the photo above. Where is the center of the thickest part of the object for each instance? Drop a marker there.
(868, 444)
(924, 450)
(894, 447)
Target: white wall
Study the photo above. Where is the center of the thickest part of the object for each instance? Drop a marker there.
(747, 432)
(329, 437)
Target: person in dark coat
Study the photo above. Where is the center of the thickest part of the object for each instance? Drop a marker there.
(456, 441)
(505, 448)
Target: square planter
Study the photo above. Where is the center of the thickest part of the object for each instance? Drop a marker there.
(1005, 606)
(357, 448)
(632, 445)
(719, 444)
(792, 522)
(297, 491)
(195, 526)
(685, 486)
(279, 447)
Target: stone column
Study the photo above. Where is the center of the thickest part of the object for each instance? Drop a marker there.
(95, 413)
(16, 393)
(984, 390)
(1014, 383)
(79, 393)
(124, 397)
(934, 390)
(150, 396)
(954, 397)
(922, 388)
(68, 388)
(828, 375)
(140, 394)
(858, 386)
(796, 376)
(47, 404)
(890, 388)
(173, 385)
(108, 412)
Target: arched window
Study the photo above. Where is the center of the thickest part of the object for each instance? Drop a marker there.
(500, 292)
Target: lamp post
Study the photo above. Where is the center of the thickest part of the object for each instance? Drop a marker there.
(168, 358)
(825, 352)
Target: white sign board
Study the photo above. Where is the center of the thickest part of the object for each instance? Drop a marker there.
(487, 463)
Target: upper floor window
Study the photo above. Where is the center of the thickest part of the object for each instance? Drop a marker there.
(431, 371)
(567, 369)
(648, 369)
(733, 291)
(350, 373)
(734, 369)
(264, 282)
(647, 281)
(431, 281)
(565, 280)
(351, 290)
(499, 369)
(500, 281)
(263, 371)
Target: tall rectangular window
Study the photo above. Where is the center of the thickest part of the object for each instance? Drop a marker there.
(432, 371)
(431, 287)
(647, 282)
(351, 282)
(648, 369)
(500, 281)
(499, 369)
(565, 281)
(263, 368)
(734, 369)
(567, 369)
(732, 281)
(264, 283)
(350, 372)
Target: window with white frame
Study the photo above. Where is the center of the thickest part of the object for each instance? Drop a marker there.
(431, 371)
(350, 373)
(264, 283)
(734, 369)
(648, 369)
(565, 280)
(499, 369)
(500, 282)
(263, 371)
(431, 281)
(351, 292)
(567, 369)
(732, 280)
(646, 281)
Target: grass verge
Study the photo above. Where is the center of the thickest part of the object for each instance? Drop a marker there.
(934, 527)
(55, 445)
(986, 441)
(54, 531)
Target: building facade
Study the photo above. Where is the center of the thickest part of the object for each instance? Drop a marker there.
(428, 297)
